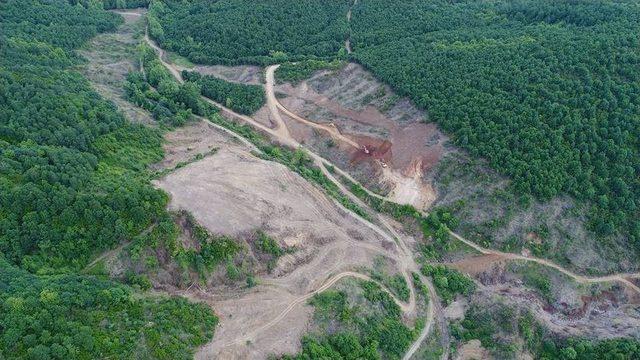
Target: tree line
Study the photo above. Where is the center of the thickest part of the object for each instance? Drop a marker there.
(242, 98)
(248, 32)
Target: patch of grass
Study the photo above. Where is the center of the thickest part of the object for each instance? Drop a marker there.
(269, 247)
(423, 291)
(538, 278)
(492, 325)
(398, 285)
(395, 283)
(214, 249)
(267, 244)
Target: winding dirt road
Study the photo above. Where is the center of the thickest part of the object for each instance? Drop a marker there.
(622, 278)
(405, 307)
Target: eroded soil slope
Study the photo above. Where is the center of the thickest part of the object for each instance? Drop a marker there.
(396, 145)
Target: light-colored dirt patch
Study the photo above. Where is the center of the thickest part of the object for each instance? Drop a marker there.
(243, 74)
(409, 188)
(232, 192)
(473, 350)
(186, 142)
(475, 265)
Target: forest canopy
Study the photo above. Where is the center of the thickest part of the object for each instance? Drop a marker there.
(245, 31)
(81, 317)
(546, 91)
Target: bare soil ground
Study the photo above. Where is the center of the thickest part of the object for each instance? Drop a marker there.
(185, 143)
(111, 56)
(390, 128)
(233, 192)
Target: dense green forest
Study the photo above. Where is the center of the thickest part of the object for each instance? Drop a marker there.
(244, 31)
(111, 4)
(79, 317)
(245, 99)
(73, 185)
(297, 71)
(547, 91)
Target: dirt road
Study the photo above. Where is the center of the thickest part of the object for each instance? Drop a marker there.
(273, 103)
(281, 127)
(405, 307)
(175, 71)
(622, 278)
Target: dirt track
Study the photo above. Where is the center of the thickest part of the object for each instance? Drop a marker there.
(622, 278)
(405, 307)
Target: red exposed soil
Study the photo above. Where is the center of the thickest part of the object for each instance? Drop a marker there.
(408, 146)
(372, 149)
(603, 301)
